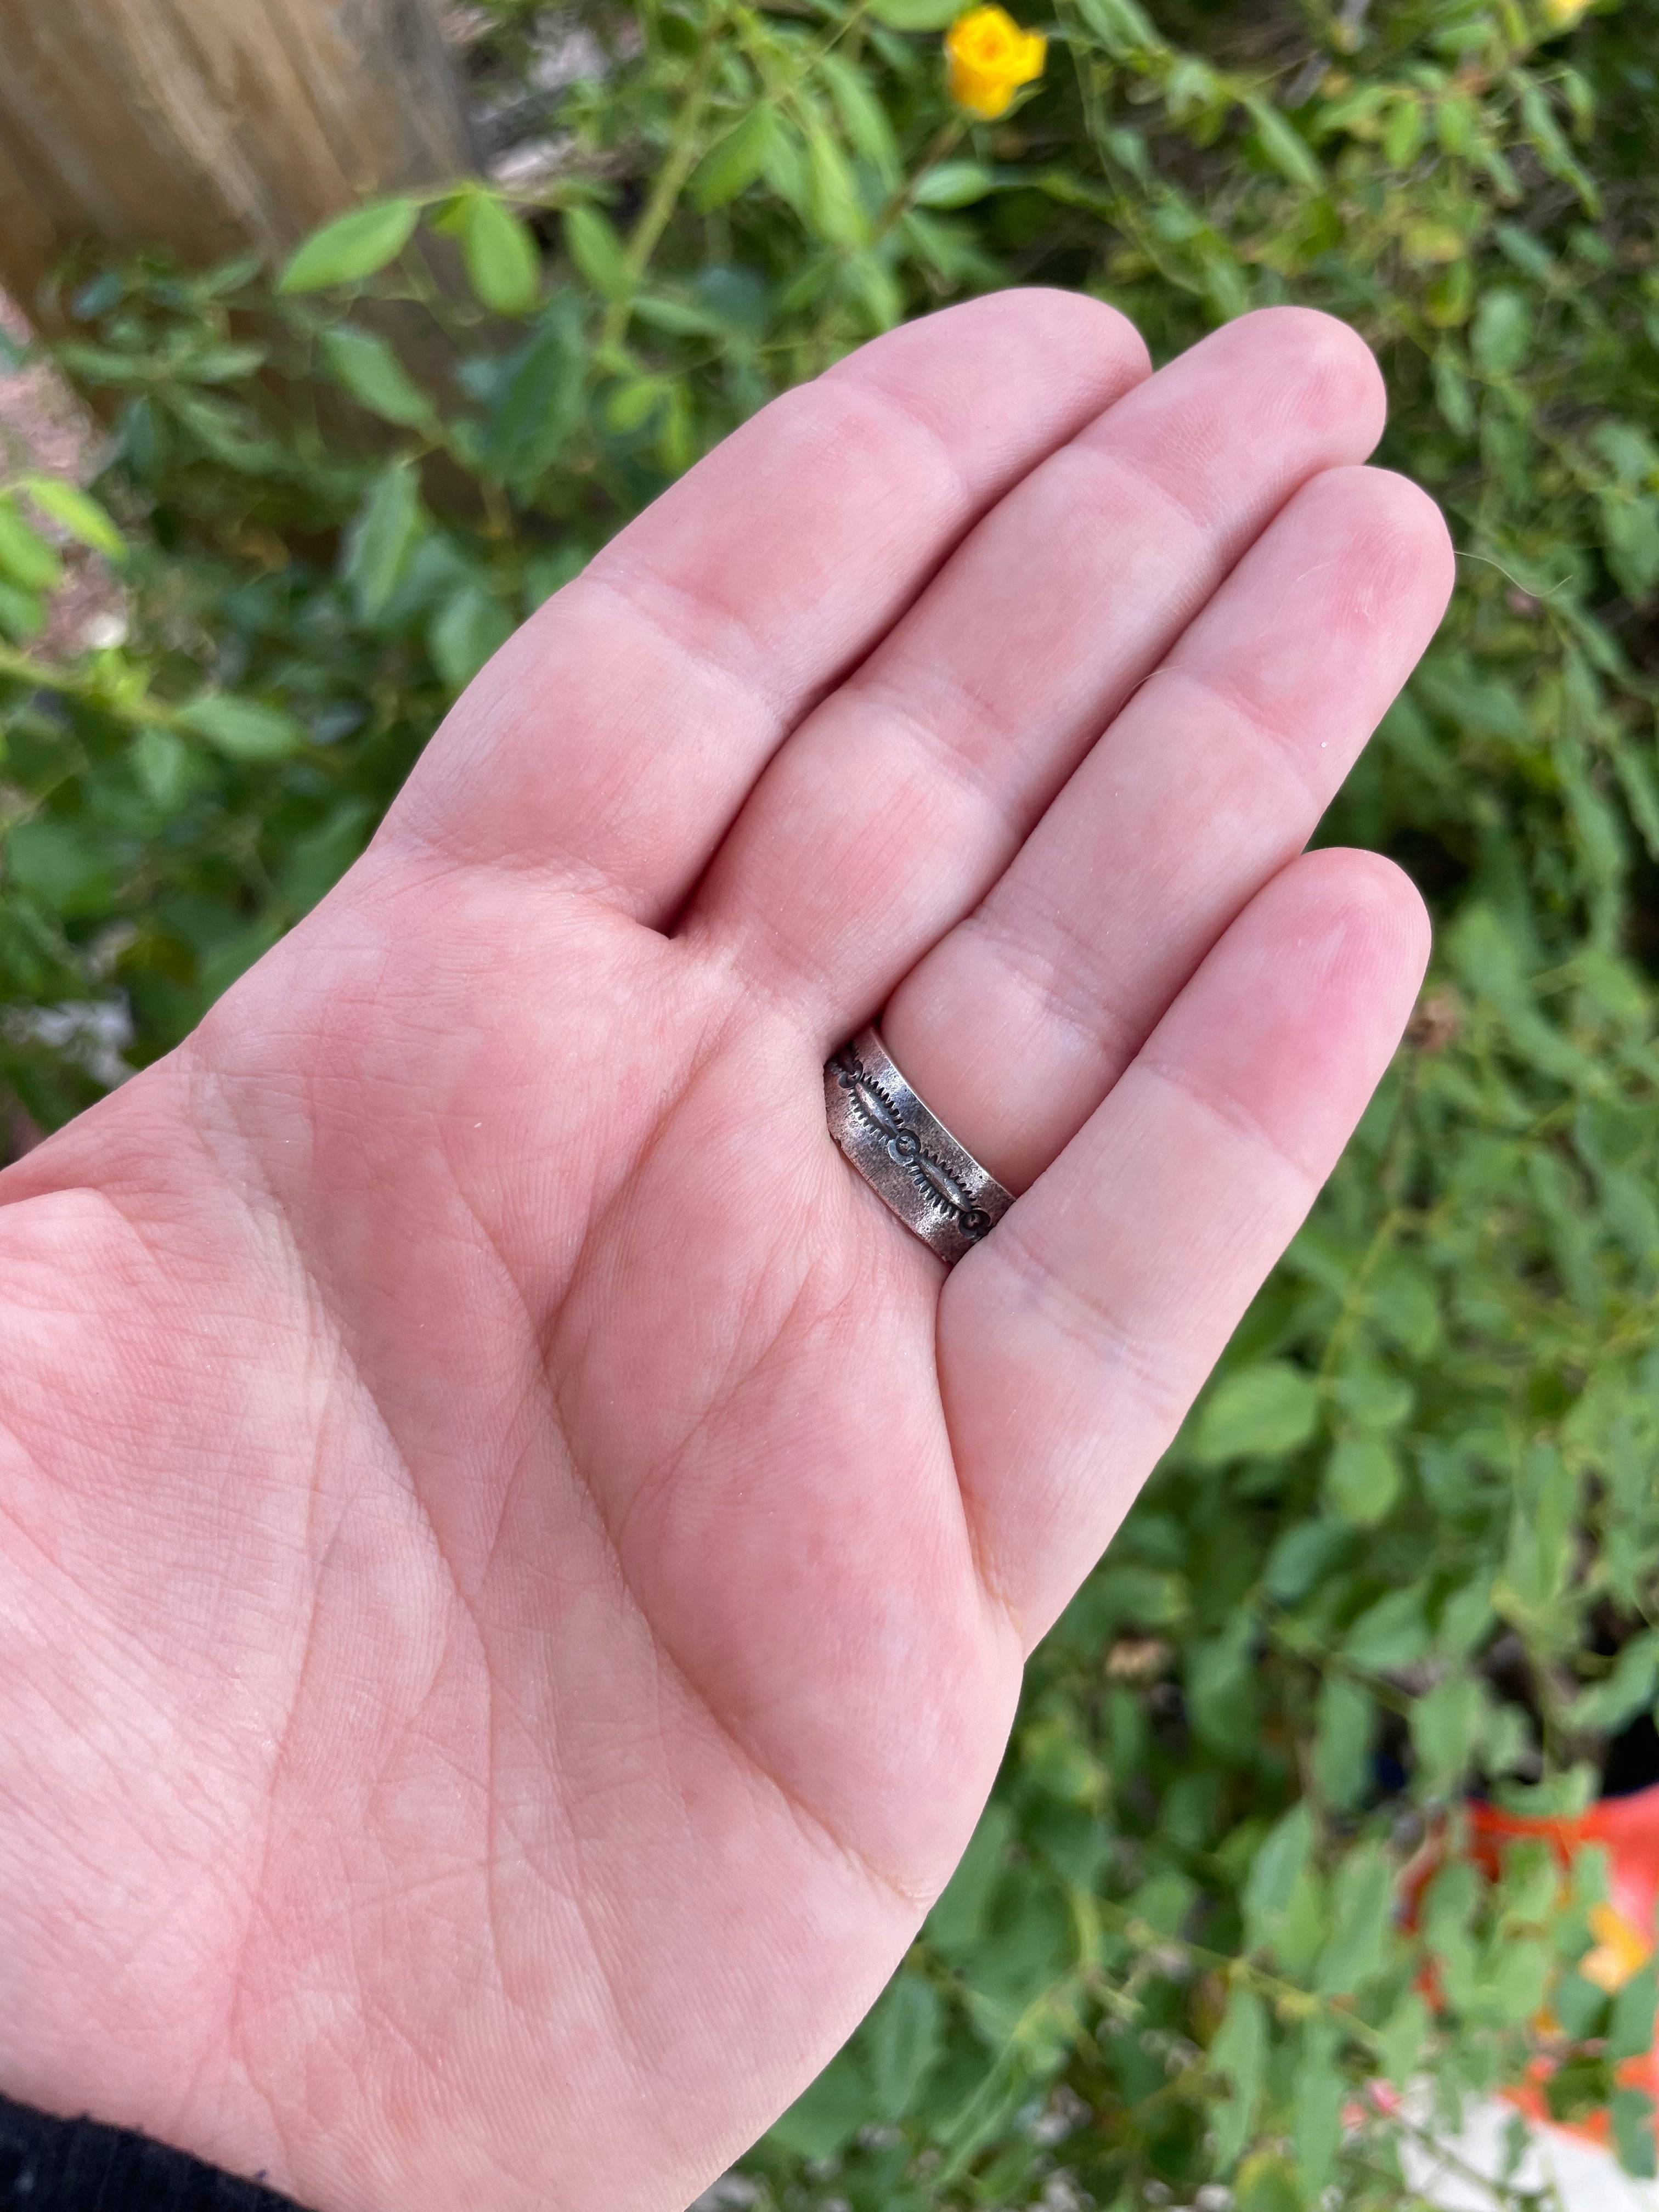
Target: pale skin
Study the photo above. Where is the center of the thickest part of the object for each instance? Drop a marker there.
(514, 1568)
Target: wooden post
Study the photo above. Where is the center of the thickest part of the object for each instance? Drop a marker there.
(207, 127)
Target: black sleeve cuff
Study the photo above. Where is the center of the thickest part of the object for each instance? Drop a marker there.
(80, 2166)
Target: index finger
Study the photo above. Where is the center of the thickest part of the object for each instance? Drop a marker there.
(615, 737)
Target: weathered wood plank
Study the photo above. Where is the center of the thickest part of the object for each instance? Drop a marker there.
(209, 127)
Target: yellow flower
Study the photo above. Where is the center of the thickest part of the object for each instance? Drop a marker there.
(989, 57)
(1560, 13)
(1620, 1949)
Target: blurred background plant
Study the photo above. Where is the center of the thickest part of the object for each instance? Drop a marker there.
(1407, 1546)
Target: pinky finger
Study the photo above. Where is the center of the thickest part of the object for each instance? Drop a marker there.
(1072, 1342)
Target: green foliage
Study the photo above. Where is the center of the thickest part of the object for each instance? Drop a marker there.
(1408, 1544)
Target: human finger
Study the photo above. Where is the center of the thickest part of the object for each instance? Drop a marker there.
(1073, 1341)
(1015, 1026)
(894, 807)
(612, 739)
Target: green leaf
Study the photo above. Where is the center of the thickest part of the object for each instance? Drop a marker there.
(674, 313)
(863, 117)
(1266, 1410)
(25, 559)
(352, 246)
(1121, 26)
(1274, 1871)
(1321, 2089)
(365, 366)
(1403, 1301)
(833, 206)
(1401, 2037)
(1223, 1695)
(1362, 1909)
(226, 432)
(1530, 1884)
(1343, 1740)
(1451, 389)
(22, 614)
(1363, 1481)
(1464, 1621)
(1446, 1723)
(504, 263)
(1404, 132)
(539, 405)
(1542, 1539)
(916, 15)
(1632, 2111)
(1630, 2029)
(465, 631)
(1304, 1556)
(1640, 786)
(1284, 147)
(1517, 1984)
(1390, 1633)
(222, 364)
(630, 405)
(1266, 2182)
(79, 514)
(955, 1924)
(1565, 1795)
(242, 730)
(550, 572)
(953, 184)
(599, 255)
(734, 163)
(828, 2115)
(1448, 299)
(1165, 1901)
(381, 537)
(1581, 2009)
(903, 2040)
(868, 276)
(1501, 337)
(65, 865)
(316, 861)
(164, 766)
(1608, 1704)
(102, 364)
(1238, 2054)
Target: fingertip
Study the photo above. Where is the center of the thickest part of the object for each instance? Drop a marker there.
(1371, 914)
(1357, 569)
(1402, 923)
(1097, 325)
(1006, 362)
(1330, 374)
(1075, 322)
(1421, 525)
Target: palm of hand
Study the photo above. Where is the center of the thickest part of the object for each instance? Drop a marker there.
(515, 1573)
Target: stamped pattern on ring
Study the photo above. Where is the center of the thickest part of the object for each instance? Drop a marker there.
(875, 1108)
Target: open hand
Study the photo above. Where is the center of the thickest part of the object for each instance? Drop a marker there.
(514, 1567)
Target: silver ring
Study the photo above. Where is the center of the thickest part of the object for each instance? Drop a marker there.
(907, 1154)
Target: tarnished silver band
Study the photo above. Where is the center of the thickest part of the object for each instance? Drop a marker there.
(907, 1154)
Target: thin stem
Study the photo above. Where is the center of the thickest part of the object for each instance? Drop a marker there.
(1296, 2000)
(658, 210)
(903, 200)
(70, 684)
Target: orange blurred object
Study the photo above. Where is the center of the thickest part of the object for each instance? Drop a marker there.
(1628, 1829)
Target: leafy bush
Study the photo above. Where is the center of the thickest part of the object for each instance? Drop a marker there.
(1408, 1544)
